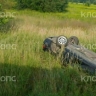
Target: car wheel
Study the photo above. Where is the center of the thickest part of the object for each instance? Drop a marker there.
(61, 40)
(73, 40)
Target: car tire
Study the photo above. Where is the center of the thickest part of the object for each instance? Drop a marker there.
(73, 40)
(61, 40)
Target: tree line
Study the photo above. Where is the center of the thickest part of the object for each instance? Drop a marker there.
(43, 5)
(38, 5)
(84, 1)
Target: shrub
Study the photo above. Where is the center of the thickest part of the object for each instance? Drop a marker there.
(43, 5)
(94, 2)
(4, 20)
(87, 3)
(8, 4)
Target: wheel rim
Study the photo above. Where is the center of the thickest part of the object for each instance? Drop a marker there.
(62, 40)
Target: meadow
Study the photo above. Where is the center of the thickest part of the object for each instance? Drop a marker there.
(38, 73)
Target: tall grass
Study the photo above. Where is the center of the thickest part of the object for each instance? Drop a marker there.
(38, 73)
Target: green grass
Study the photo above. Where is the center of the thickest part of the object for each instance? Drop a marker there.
(73, 12)
(39, 73)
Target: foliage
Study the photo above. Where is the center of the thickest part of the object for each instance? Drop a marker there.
(1, 19)
(39, 73)
(5, 19)
(94, 2)
(43, 5)
(82, 1)
(8, 4)
(87, 3)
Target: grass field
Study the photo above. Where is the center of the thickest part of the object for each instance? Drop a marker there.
(38, 73)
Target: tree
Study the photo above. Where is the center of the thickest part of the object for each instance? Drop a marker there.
(94, 2)
(43, 5)
(87, 3)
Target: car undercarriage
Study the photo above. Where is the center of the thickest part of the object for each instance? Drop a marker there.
(70, 52)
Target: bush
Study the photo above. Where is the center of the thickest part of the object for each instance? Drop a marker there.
(43, 5)
(94, 2)
(8, 4)
(87, 3)
(4, 20)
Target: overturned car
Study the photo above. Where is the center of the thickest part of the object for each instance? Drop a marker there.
(70, 52)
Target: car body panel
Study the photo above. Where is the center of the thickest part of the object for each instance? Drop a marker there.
(86, 57)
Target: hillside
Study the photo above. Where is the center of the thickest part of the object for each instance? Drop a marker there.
(37, 73)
